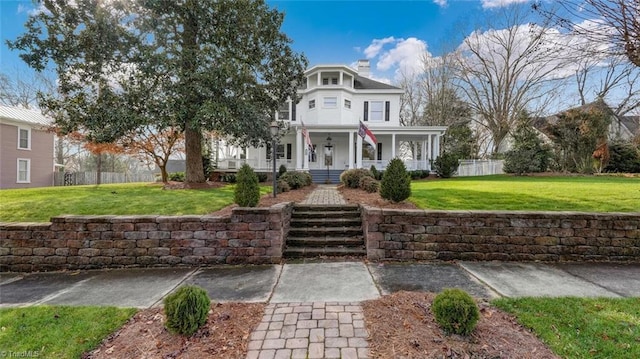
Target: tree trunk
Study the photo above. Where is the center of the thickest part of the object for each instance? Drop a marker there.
(193, 152)
(163, 172)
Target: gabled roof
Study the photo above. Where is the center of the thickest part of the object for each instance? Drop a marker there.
(365, 83)
(31, 117)
(632, 123)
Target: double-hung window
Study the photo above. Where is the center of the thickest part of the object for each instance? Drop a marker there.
(24, 138)
(376, 111)
(24, 170)
(330, 102)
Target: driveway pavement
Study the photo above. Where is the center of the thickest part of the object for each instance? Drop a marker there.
(319, 282)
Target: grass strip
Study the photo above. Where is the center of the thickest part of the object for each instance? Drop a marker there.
(581, 327)
(57, 331)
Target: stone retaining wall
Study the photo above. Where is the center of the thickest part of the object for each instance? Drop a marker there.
(504, 236)
(248, 235)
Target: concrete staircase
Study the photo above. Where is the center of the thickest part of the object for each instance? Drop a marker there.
(320, 176)
(325, 230)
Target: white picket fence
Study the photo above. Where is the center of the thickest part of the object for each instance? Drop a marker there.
(89, 178)
(468, 168)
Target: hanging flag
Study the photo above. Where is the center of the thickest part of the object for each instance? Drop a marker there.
(367, 135)
(307, 138)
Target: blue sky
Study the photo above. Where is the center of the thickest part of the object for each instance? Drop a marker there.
(332, 31)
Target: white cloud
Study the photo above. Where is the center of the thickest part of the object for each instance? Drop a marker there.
(488, 4)
(441, 3)
(376, 45)
(397, 55)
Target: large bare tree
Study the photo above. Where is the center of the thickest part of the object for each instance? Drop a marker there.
(613, 23)
(509, 67)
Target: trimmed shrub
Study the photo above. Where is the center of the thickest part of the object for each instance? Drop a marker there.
(247, 191)
(416, 175)
(375, 173)
(262, 177)
(396, 182)
(455, 311)
(446, 165)
(282, 186)
(369, 184)
(297, 179)
(351, 178)
(282, 170)
(624, 158)
(186, 310)
(176, 176)
(529, 153)
(229, 178)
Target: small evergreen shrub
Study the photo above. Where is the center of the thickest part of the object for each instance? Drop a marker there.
(176, 176)
(369, 184)
(282, 170)
(186, 310)
(375, 173)
(282, 186)
(247, 191)
(396, 182)
(296, 179)
(351, 178)
(446, 165)
(529, 153)
(624, 157)
(262, 177)
(229, 178)
(455, 311)
(416, 175)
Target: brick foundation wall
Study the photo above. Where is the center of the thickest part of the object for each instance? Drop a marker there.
(505, 236)
(247, 236)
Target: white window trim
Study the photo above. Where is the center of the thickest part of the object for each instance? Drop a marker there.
(324, 102)
(371, 111)
(350, 103)
(313, 100)
(28, 180)
(28, 138)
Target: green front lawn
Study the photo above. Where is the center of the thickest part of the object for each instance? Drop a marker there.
(40, 204)
(57, 332)
(588, 193)
(579, 327)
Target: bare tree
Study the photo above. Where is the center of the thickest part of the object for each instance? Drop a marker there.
(509, 68)
(616, 80)
(19, 89)
(412, 100)
(613, 23)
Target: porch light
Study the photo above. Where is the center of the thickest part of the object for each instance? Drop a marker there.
(274, 129)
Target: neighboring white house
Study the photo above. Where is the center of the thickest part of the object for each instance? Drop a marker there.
(334, 99)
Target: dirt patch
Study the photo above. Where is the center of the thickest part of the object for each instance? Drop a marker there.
(401, 325)
(357, 196)
(225, 335)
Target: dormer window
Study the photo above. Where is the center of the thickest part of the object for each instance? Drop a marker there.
(330, 80)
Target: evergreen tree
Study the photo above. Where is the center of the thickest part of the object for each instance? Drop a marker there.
(247, 191)
(529, 153)
(396, 182)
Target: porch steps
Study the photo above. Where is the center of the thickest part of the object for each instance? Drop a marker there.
(320, 176)
(321, 230)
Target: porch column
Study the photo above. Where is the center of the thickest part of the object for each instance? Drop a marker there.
(351, 147)
(305, 155)
(393, 145)
(437, 149)
(359, 157)
(246, 157)
(429, 148)
(299, 148)
(423, 153)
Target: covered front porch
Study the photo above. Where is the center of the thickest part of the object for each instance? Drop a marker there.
(340, 148)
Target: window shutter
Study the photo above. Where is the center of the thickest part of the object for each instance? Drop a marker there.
(379, 151)
(293, 111)
(387, 106)
(365, 116)
(268, 153)
(288, 151)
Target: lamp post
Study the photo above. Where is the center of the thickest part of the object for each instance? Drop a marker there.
(274, 128)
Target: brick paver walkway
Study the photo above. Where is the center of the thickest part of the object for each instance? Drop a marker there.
(325, 194)
(310, 330)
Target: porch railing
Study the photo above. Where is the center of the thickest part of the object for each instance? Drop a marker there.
(411, 165)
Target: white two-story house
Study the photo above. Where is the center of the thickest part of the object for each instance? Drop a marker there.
(333, 101)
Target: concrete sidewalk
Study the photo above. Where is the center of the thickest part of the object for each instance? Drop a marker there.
(319, 282)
